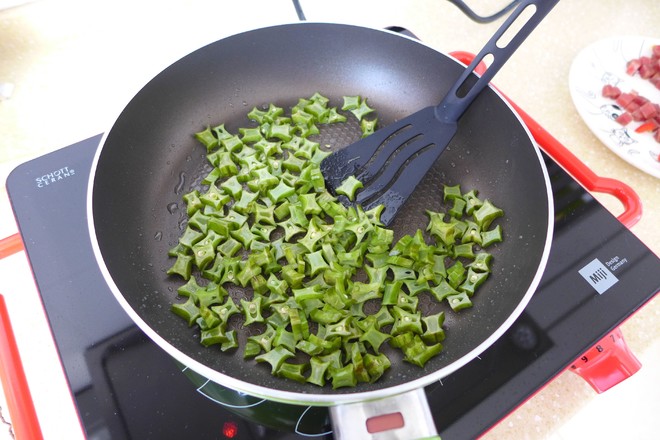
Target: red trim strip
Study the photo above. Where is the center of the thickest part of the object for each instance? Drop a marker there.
(10, 245)
(21, 408)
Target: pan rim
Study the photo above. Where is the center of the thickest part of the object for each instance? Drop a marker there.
(319, 399)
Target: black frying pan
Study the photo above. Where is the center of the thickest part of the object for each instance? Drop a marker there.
(149, 158)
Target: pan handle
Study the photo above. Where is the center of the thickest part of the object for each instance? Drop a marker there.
(404, 416)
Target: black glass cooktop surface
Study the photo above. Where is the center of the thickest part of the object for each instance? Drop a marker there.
(125, 387)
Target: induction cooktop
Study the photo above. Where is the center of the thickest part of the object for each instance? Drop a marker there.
(125, 386)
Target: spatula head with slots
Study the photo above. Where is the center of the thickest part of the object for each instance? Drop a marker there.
(391, 162)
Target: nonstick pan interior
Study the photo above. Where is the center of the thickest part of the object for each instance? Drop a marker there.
(149, 159)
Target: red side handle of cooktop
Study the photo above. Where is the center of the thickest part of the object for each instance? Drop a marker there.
(592, 182)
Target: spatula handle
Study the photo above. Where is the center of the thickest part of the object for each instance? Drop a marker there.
(466, 89)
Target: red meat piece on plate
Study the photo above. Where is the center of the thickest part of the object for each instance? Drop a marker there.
(655, 50)
(640, 100)
(610, 91)
(633, 66)
(646, 71)
(637, 115)
(648, 110)
(624, 118)
(656, 82)
(625, 99)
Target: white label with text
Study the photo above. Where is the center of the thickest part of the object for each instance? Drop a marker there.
(600, 275)
(54, 176)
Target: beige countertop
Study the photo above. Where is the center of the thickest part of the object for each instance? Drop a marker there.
(73, 64)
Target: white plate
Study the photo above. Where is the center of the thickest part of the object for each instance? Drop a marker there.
(604, 62)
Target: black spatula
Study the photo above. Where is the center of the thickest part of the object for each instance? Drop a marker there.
(393, 160)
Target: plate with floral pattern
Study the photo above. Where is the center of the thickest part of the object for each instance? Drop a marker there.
(605, 63)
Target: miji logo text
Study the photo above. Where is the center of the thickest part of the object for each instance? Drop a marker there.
(598, 275)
